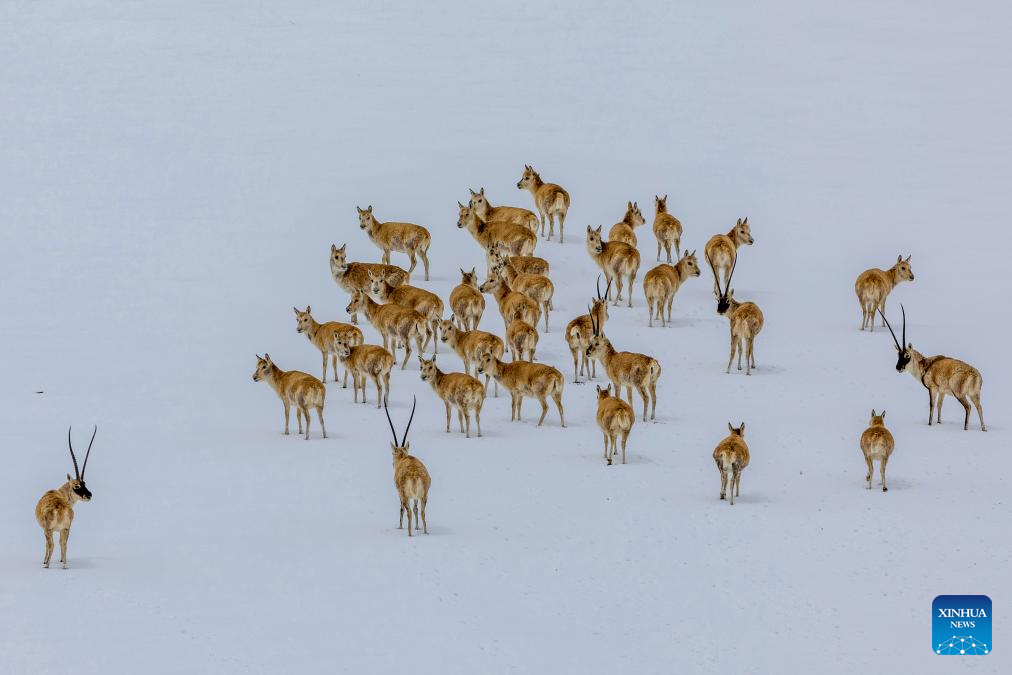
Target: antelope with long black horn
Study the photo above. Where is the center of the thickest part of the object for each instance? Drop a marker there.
(940, 375)
(580, 330)
(745, 319)
(55, 510)
(627, 369)
(410, 476)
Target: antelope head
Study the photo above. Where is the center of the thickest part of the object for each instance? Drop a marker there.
(339, 258)
(737, 431)
(264, 367)
(527, 181)
(478, 200)
(366, 220)
(400, 448)
(427, 368)
(661, 204)
(903, 271)
(357, 303)
(77, 485)
(598, 341)
(594, 243)
(689, 261)
(303, 320)
(903, 353)
(742, 233)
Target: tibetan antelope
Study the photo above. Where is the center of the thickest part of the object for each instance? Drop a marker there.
(322, 336)
(55, 510)
(509, 300)
(744, 318)
(580, 330)
(522, 379)
(537, 287)
(549, 199)
(662, 282)
(616, 259)
(627, 369)
(466, 301)
(422, 301)
(502, 214)
(877, 444)
(625, 229)
(521, 337)
(722, 250)
(517, 239)
(667, 229)
(731, 456)
(364, 361)
(940, 375)
(470, 345)
(354, 276)
(414, 240)
(525, 264)
(398, 325)
(457, 390)
(293, 388)
(875, 285)
(616, 418)
(410, 476)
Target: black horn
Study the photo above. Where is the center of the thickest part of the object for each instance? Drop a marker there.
(889, 326)
(904, 345)
(84, 467)
(77, 473)
(598, 286)
(404, 439)
(392, 430)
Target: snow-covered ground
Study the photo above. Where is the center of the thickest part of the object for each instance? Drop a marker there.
(173, 175)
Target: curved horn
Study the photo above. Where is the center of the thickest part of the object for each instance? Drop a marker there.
(713, 269)
(392, 430)
(904, 345)
(598, 286)
(734, 263)
(889, 326)
(84, 467)
(414, 402)
(72, 456)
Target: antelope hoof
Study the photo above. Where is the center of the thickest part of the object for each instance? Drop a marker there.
(45, 565)
(885, 489)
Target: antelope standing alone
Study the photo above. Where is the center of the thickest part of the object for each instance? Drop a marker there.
(625, 229)
(616, 259)
(354, 276)
(667, 229)
(522, 338)
(745, 320)
(877, 444)
(662, 282)
(940, 375)
(470, 345)
(509, 300)
(731, 456)
(293, 387)
(466, 301)
(616, 418)
(55, 510)
(411, 478)
(874, 286)
(580, 330)
(549, 199)
(422, 301)
(537, 287)
(525, 264)
(523, 378)
(397, 325)
(322, 335)
(502, 214)
(627, 369)
(414, 240)
(364, 361)
(722, 250)
(457, 390)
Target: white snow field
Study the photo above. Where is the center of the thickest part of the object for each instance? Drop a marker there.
(174, 173)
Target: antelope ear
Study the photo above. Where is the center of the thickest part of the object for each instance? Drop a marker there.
(343, 246)
(407, 446)
(599, 389)
(589, 229)
(665, 198)
(473, 272)
(267, 357)
(482, 191)
(883, 414)
(741, 429)
(628, 206)
(473, 193)
(359, 209)
(636, 205)
(333, 248)
(730, 428)
(910, 345)
(599, 228)
(68, 477)
(744, 222)
(908, 259)
(873, 412)
(899, 258)
(309, 310)
(737, 222)
(296, 310)
(369, 209)
(460, 205)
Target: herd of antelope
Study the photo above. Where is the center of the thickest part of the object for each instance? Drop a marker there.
(404, 315)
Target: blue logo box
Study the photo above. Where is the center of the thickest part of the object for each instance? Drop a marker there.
(961, 625)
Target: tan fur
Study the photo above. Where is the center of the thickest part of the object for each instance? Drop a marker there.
(54, 512)
(874, 286)
(293, 388)
(579, 333)
(667, 229)
(549, 199)
(941, 376)
(628, 369)
(471, 345)
(537, 287)
(509, 300)
(522, 379)
(466, 301)
(354, 276)
(616, 418)
(457, 390)
(625, 229)
(618, 261)
(662, 282)
(414, 240)
(517, 239)
(502, 214)
(398, 325)
(525, 264)
(877, 444)
(522, 338)
(364, 361)
(322, 335)
(422, 301)
(412, 481)
(746, 321)
(731, 456)
(722, 249)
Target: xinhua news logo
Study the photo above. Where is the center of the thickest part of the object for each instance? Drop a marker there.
(961, 625)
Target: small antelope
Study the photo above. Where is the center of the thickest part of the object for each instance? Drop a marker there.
(616, 259)
(627, 369)
(354, 276)
(55, 510)
(523, 378)
(745, 320)
(509, 300)
(940, 375)
(414, 240)
(521, 337)
(662, 282)
(322, 336)
(625, 229)
(667, 229)
(466, 301)
(549, 199)
(397, 325)
(364, 361)
(616, 418)
(502, 214)
(411, 478)
(293, 388)
(517, 239)
(877, 443)
(422, 301)
(875, 285)
(537, 287)
(731, 456)
(722, 250)
(459, 390)
(580, 330)
(470, 345)
(525, 264)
